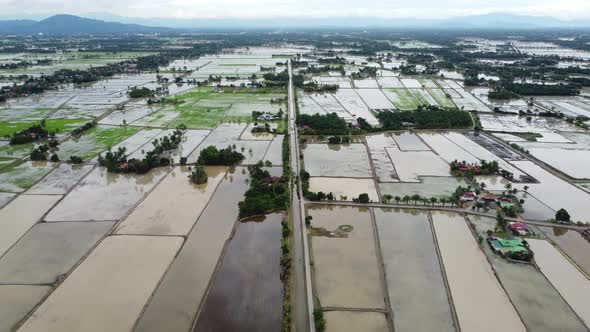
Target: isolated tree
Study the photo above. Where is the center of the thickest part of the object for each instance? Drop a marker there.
(198, 176)
(562, 216)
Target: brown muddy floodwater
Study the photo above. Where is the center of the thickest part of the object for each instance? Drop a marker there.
(572, 242)
(346, 269)
(246, 294)
(176, 302)
(415, 282)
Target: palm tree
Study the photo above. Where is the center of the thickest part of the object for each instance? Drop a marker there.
(416, 198)
(397, 199)
(406, 199)
(387, 198)
(443, 200)
(433, 200)
(526, 188)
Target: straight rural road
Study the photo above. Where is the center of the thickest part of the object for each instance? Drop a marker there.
(303, 293)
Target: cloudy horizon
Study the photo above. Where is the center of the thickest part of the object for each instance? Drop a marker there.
(262, 9)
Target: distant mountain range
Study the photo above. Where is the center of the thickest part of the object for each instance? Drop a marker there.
(100, 23)
(70, 24)
(487, 21)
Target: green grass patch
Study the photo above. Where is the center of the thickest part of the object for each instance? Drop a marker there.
(201, 118)
(22, 175)
(57, 126)
(406, 100)
(94, 142)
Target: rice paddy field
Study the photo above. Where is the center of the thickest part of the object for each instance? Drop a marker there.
(77, 231)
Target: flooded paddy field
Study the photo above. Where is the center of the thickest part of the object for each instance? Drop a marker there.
(375, 98)
(94, 142)
(534, 209)
(337, 261)
(483, 153)
(126, 116)
(352, 321)
(429, 186)
(49, 250)
(21, 214)
(161, 118)
(16, 301)
(572, 243)
(105, 196)
(330, 105)
(478, 297)
(136, 141)
(5, 198)
(309, 106)
(342, 160)
(519, 124)
(347, 187)
(274, 154)
(60, 180)
(223, 136)
(190, 140)
(19, 177)
(352, 102)
(446, 149)
(247, 297)
(573, 286)
(531, 293)
(382, 165)
(571, 162)
(410, 165)
(112, 270)
(416, 288)
(174, 205)
(555, 192)
(407, 141)
(177, 300)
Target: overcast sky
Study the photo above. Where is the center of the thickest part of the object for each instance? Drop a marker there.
(564, 9)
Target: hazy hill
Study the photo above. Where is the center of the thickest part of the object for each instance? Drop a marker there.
(70, 24)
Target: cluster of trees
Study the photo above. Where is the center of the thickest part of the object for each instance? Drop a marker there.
(142, 92)
(266, 192)
(365, 72)
(262, 129)
(338, 140)
(329, 124)
(33, 133)
(406, 199)
(426, 117)
(116, 162)
(226, 157)
(80, 130)
(362, 198)
(459, 168)
(320, 88)
(286, 274)
(198, 175)
(334, 61)
(530, 89)
(24, 64)
(324, 69)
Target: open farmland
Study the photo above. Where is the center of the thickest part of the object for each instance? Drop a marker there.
(117, 214)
